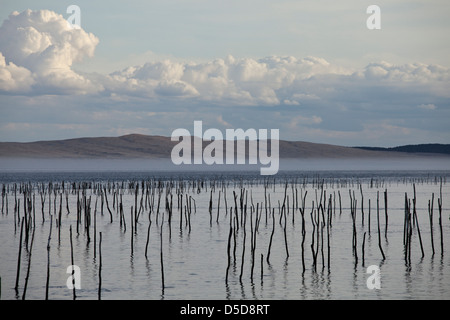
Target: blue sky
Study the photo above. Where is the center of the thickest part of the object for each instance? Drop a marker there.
(309, 68)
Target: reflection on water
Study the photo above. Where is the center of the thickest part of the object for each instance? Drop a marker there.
(200, 236)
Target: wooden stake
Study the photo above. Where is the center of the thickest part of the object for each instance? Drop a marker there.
(28, 268)
(100, 268)
(430, 215)
(19, 256)
(378, 221)
(48, 259)
(73, 270)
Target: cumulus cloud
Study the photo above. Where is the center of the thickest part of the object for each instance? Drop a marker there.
(39, 48)
(411, 72)
(275, 81)
(175, 88)
(268, 81)
(14, 78)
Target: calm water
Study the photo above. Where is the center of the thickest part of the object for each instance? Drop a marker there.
(195, 259)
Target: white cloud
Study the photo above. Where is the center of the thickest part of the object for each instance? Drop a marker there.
(410, 72)
(297, 121)
(429, 106)
(274, 80)
(43, 43)
(291, 102)
(164, 70)
(38, 49)
(222, 122)
(14, 78)
(230, 81)
(175, 88)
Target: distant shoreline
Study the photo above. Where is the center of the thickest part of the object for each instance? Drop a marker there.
(136, 146)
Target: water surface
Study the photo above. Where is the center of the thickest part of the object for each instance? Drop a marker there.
(195, 259)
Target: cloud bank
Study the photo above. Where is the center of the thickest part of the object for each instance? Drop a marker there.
(38, 49)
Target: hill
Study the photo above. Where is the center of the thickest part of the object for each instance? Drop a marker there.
(143, 146)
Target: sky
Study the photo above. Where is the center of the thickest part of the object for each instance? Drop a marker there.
(311, 69)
